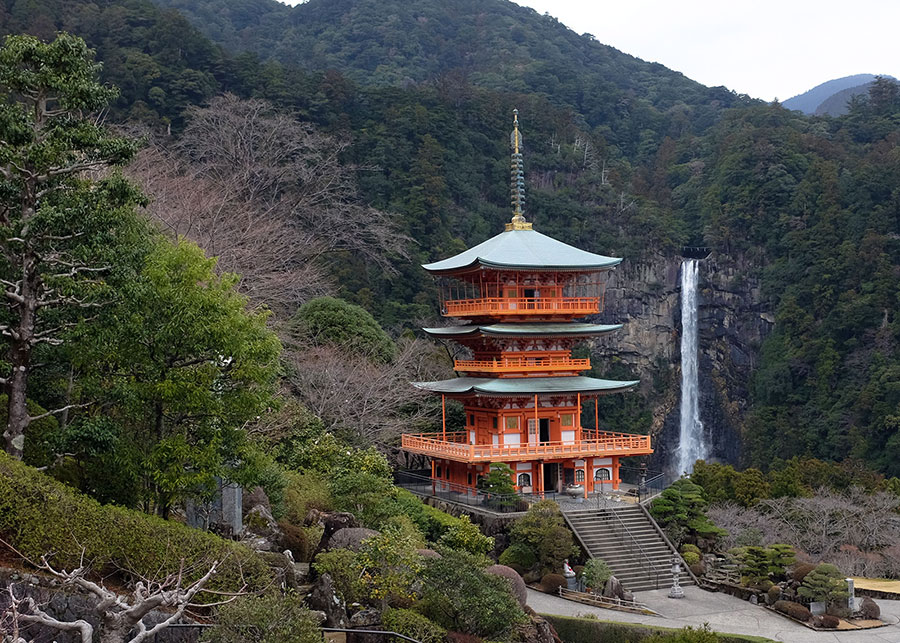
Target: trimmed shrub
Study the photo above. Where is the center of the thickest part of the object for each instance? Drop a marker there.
(543, 530)
(296, 539)
(39, 515)
(518, 554)
(828, 621)
(516, 584)
(265, 619)
(688, 547)
(690, 557)
(552, 582)
(799, 571)
(412, 624)
(304, 491)
(458, 596)
(773, 595)
(794, 610)
(824, 583)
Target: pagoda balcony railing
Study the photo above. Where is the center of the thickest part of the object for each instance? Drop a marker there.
(590, 443)
(522, 306)
(523, 364)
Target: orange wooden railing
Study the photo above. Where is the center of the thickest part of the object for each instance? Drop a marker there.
(522, 306)
(523, 364)
(592, 443)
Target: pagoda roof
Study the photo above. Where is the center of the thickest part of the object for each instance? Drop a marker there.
(524, 249)
(523, 330)
(505, 387)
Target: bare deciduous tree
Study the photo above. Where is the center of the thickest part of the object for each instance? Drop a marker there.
(119, 616)
(373, 401)
(267, 194)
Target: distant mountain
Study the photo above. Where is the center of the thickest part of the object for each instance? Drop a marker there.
(836, 104)
(494, 44)
(809, 101)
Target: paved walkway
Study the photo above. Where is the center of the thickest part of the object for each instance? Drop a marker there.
(724, 613)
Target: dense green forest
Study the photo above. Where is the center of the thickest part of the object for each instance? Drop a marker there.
(622, 157)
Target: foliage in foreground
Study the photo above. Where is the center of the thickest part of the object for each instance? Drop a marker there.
(544, 533)
(39, 515)
(272, 618)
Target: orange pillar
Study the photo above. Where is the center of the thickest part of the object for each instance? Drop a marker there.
(444, 417)
(597, 414)
(432, 476)
(578, 417)
(537, 424)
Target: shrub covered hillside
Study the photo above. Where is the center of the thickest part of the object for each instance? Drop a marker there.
(40, 516)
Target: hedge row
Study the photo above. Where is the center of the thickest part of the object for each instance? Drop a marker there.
(39, 515)
(588, 630)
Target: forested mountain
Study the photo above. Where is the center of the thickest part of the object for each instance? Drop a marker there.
(622, 156)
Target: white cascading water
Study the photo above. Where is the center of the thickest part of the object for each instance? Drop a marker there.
(691, 445)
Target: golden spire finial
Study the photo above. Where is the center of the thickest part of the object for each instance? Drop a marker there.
(517, 179)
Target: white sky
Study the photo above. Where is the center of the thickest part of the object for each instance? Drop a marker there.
(764, 48)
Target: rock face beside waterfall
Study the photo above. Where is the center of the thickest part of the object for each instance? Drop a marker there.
(645, 296)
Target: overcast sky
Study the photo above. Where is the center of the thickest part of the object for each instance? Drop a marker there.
(764, 48)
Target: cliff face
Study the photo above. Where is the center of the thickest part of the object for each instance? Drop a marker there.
(646, 297)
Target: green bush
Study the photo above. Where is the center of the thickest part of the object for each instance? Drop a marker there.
(688, 547)
(414, 625)
(774, 594)
(543, 530)
(459, 596)
(592, 630)
(824, 583)
(690, 558)
(344, 568)
(464, 535)
(273, 618)
(39, 515)
(794, 610)
(518, 554)
(596, 573)
(305, 491)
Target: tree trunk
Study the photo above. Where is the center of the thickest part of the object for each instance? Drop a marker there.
(20, 359)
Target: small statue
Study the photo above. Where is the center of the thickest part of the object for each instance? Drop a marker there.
(567, 571)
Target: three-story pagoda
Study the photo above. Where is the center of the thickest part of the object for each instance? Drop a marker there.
(522, 294)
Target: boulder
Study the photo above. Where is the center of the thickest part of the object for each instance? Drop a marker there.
(516, 584)
(537, 630)
(325, 599)
(366, 619)
(256, 497)
(868, 609)
(283, 568)
(614, 589)
(350, 538)
(261, 532)
(428, 553)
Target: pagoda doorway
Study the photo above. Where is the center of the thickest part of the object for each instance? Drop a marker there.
(544, 430)
(551, 477)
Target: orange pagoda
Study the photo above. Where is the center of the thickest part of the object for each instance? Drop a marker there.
(521, 294)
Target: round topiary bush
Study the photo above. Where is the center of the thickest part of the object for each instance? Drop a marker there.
(688, 547)
(552, 582)
(829, 622)
(773, 595)
(518, 554)
(516, 584)
(690, 557)
(799, 571)
(794, 610)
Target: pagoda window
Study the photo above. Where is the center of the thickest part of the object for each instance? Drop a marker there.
(469, 478)
(472, 419)
(524, 480)
(512, 422)
(494, 422)
(566, 419)
(437, 472)
(579, 475)
(601, 474)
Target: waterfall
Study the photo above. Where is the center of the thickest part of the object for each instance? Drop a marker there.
(691, 446)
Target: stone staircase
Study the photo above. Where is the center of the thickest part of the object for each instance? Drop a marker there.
(626, 538)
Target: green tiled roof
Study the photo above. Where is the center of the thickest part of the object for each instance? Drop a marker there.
(524, 385)
(524, 249)
(523, 330)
